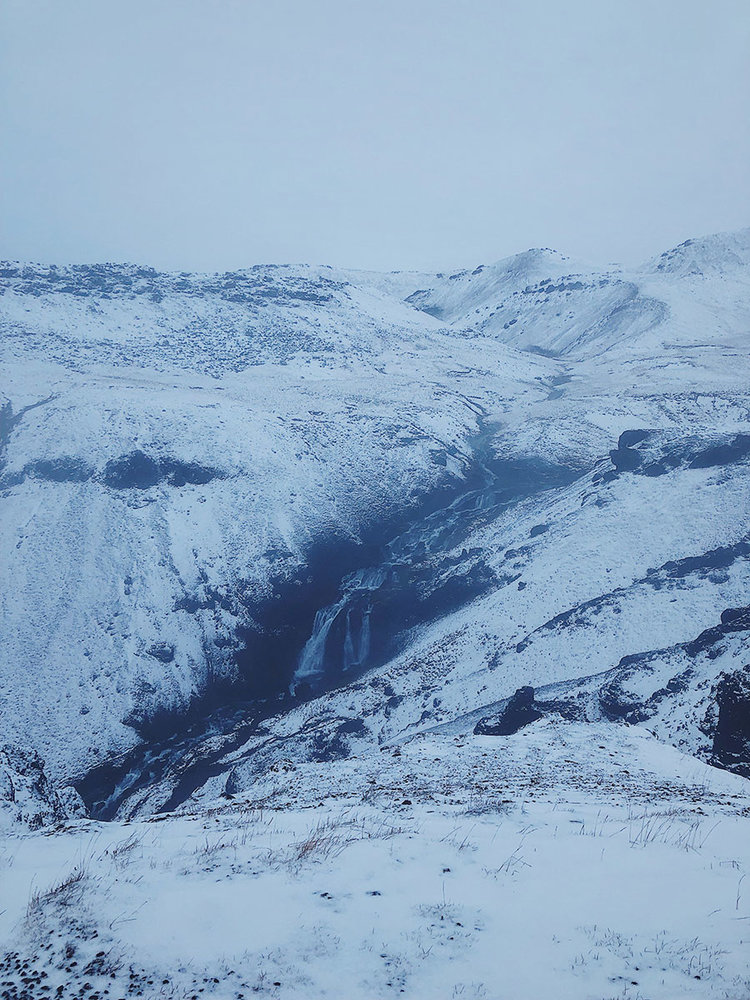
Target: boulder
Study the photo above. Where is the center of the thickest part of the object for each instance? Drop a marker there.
(520, 711)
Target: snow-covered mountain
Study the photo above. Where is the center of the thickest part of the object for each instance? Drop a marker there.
(402, 496)
(369, 634)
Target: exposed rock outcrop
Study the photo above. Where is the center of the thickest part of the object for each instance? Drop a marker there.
(731, 749)
(522, 709)
(27, 797)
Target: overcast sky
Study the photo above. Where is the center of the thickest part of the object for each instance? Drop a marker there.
(370, 133)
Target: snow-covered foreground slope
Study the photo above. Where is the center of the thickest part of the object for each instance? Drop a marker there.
(567, 861)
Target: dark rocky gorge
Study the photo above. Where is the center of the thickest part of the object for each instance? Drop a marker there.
(731, 744)
(354, 605)
(349, 608)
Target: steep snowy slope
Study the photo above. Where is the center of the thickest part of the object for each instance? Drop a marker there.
(215, 487)
(160, 498)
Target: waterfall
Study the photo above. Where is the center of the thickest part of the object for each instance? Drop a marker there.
(357, 647)
(324, 651)
(390, 597)
(312, 658)
(350, 657)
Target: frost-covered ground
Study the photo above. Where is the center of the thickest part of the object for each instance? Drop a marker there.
(566, 861)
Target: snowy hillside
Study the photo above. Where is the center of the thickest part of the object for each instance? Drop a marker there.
(219, 488)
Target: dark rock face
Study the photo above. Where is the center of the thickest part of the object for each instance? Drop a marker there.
(334, 744)
(133, 471)
(138, 471)
(60, 470)
(655, 453)
(162, 651)
(353, 727)
(538, 529)
(731, 749)
(233, 784)
(185, 473)
(732, 620)
(628, 438)
(625, 459)
(520, 711)
(619, 705)
(736, 619)
(570, 710)
(723, 454)
(523, 709)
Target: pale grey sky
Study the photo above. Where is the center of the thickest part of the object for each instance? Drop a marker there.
(369, 133)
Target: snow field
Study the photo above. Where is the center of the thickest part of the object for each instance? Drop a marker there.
(568, 890)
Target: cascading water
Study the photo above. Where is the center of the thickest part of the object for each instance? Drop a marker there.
(312, 656)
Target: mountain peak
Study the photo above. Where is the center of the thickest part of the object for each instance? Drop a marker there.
(713, 254)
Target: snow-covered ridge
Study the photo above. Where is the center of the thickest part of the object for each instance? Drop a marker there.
(722, 254)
